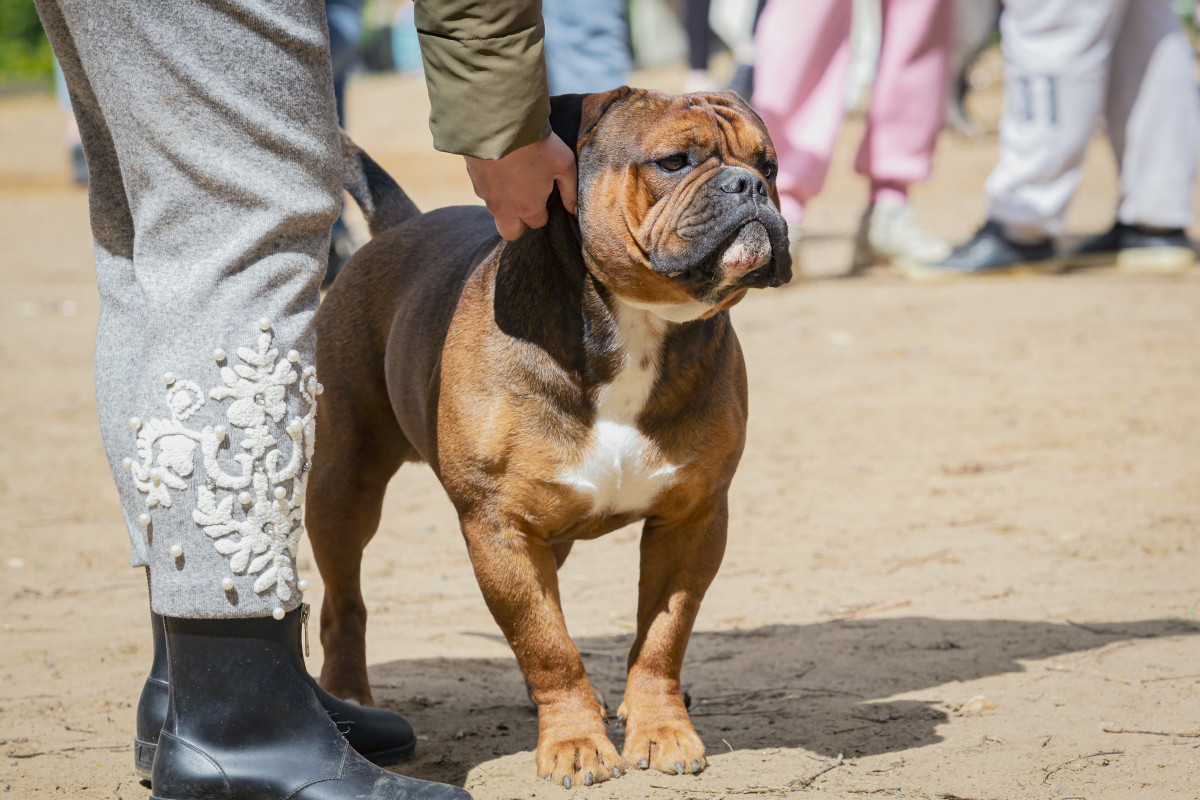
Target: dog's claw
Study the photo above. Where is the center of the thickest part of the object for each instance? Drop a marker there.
(695, 766)
(643, 763)
(567, 782)
(587, 781)
(547, 776)
(616, 772)
(678, 768)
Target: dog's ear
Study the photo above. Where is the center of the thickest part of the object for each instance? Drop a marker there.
(572, 116)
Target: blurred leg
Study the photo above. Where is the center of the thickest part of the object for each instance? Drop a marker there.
(696, 21)
(1058, 55)
(587, 45)
(908, 100)
(210, 129)
(1153, 117)
(803, 50)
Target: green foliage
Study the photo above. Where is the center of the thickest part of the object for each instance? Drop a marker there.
(25, 55)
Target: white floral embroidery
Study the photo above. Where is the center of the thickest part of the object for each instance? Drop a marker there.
(268, 528)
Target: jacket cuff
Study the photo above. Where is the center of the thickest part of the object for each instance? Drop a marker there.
(487, 97)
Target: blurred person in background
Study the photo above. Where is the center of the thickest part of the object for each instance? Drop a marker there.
(736, 29)
(695, 22)
(587, 45)
(78, 164)
(1069, 63)
(803, 53)
(345, 30)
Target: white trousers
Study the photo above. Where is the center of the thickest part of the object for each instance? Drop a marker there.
(1070, 62)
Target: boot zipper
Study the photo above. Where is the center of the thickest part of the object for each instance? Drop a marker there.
(304, 621)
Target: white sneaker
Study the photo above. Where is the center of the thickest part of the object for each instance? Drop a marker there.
(888, 233)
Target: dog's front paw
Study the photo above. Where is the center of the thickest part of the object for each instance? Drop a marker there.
(666, 742)
(578, 760)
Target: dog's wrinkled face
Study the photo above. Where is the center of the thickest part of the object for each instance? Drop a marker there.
(677, 200)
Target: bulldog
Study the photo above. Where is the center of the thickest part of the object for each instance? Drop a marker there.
(562, 386)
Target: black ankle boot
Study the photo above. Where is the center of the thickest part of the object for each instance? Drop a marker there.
(382, 737)
(243, 722)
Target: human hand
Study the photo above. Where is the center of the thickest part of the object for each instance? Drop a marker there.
(515, 187)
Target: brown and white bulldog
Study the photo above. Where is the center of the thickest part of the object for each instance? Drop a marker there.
(561, 387)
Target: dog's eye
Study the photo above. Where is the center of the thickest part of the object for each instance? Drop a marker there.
(769, 169)
(673, 163)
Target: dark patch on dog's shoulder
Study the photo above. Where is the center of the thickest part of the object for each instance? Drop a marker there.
(545, 297)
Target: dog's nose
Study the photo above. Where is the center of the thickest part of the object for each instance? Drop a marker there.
(742, 181)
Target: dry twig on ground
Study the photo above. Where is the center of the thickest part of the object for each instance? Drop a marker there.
(1082, 758)
(880, 790)
(1192, 735)
(874, 610)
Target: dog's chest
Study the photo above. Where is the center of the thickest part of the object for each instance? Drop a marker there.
(621, 470)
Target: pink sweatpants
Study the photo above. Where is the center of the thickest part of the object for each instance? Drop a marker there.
(803, 51)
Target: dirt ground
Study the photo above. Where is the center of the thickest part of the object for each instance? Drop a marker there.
(981, 488)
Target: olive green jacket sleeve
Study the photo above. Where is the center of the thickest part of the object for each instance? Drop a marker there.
(486, 74)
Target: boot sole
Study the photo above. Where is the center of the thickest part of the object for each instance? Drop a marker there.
(143, 758)
(388, 758)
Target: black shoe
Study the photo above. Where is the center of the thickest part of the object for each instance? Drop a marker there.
(243, 722)
(382, 737)
(1135, 249)
(988, 252)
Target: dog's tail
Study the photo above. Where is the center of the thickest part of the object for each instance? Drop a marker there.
(383, 202)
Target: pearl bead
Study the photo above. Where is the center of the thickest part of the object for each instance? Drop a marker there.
(220, 433)
(280, 492)
(218, 354)
(264, 324)
(320, 389)
(156, 475)
(227, 583)
(135, 423)
(278, 612)
(302, 585)
(168, 378)
(176, 551)
(144, 519)
(293, 356)
(244, 498)
(127, 463)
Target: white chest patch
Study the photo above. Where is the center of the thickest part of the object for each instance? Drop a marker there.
(622, 471)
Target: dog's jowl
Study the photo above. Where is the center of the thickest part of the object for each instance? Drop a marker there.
(561, 386)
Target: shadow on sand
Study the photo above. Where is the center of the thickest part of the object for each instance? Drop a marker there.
(816, 686)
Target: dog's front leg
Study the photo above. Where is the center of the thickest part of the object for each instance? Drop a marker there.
(518, 575)
(679, 560)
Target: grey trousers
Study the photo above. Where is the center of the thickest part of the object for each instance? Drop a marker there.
(1067, 64)
(211, 139)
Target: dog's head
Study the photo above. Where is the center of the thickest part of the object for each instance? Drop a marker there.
(677, 200)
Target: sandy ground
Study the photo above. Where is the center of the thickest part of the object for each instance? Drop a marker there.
(985, 488)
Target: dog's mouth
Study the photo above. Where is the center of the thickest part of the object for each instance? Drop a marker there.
(744, 260)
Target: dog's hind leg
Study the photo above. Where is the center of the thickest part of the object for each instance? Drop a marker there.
(359, 448)
(680, 558)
